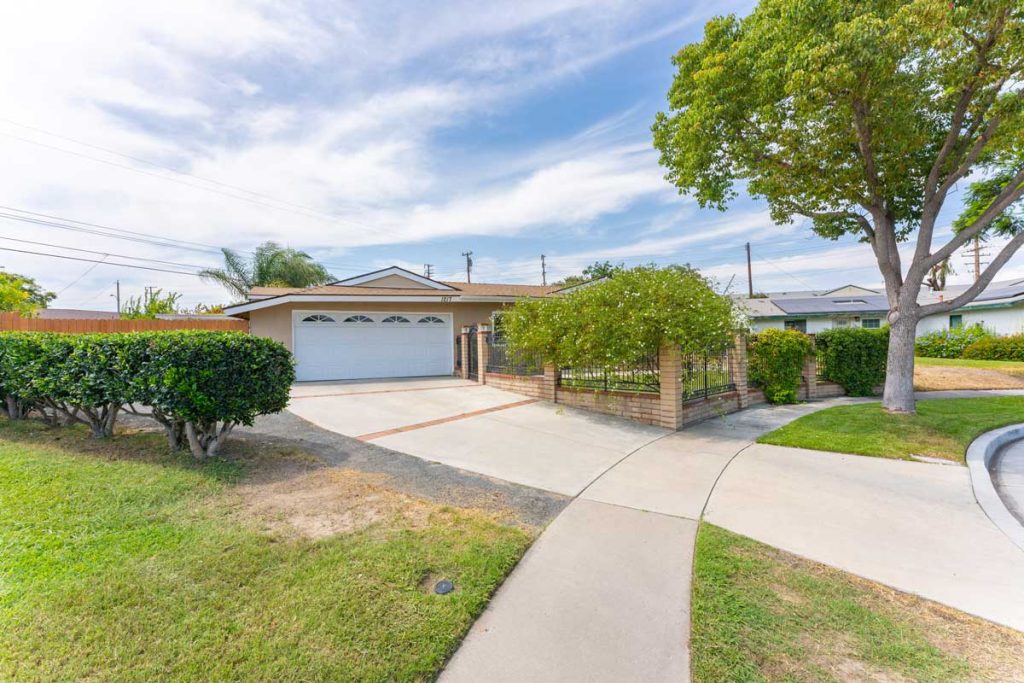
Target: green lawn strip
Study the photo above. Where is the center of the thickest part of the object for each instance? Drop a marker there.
(759, 614)
(138, 569)
(942, 428)
(1008, 366)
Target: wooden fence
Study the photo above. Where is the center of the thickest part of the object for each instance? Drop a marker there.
(14, 322)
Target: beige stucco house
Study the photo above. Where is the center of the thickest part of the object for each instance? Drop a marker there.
(387, 323)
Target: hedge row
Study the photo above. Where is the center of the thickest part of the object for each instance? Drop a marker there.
(997, 348)
(776, 361)
(197, 385)
(949, 343)
(854, 358)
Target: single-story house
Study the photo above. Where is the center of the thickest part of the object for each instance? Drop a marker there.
(386, 323)
(999, 308)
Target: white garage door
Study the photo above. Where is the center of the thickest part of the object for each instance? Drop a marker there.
(338, 345)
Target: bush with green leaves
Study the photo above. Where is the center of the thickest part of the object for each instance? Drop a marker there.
(854, 358)
(198, 385)
(624, 319)
(949, 343)
(997, 348)
(776, 363)
(204, 384)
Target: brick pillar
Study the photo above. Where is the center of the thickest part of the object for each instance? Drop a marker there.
(810, 373)
(738, 370)
(483, 350)
(670, 366)
(464, 350)
(549, 386)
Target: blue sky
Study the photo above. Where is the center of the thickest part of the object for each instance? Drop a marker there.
(367, 134)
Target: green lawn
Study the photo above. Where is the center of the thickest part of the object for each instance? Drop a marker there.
(1012, 367)
(760, 614)
(119, 562)
(942, 428)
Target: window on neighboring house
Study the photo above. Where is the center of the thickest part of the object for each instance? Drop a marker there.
(431, 320)
(840, 322)
(318, 318)
(799, 325)
(956, 321)
(358, 319)
(395, 319)
(871, 323)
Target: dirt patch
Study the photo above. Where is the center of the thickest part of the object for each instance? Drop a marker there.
(299, 498)
(938, 378)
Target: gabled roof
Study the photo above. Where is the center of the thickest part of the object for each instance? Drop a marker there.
(391, 272)
(844, 304)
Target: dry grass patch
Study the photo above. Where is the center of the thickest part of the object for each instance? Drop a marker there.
(939, 378)
(123, 562)
(761, 614)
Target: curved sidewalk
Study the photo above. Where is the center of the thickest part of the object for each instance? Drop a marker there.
(604, 594)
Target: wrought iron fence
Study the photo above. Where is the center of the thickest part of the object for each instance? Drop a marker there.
(819, 361)
(706, 374)
(643, 376)
(504, 359)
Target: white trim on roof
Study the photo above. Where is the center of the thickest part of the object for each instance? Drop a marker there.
(333, 298)
(393, 270)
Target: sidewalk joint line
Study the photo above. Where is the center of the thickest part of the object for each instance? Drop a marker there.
(442, 420)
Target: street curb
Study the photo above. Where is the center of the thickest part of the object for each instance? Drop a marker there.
(979, 455)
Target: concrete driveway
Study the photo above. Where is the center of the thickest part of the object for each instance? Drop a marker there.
(476, 428)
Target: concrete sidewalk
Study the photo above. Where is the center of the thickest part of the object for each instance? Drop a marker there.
(604, 594)
(913, 526)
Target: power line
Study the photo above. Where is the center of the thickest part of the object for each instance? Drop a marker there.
(84, 273)
(85, 260)
(103, 253)
(309, 212)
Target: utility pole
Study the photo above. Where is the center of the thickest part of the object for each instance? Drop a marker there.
(117, 295)
(428, 270)
(469, 265)
(975, 253)
(750, 274)
(543, 270)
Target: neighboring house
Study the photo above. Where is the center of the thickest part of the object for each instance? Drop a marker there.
(999, 308)
(387, 323)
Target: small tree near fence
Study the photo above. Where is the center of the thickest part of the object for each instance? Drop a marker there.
(624, 319)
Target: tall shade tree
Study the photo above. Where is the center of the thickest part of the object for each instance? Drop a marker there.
(271, 265)
(860, 116)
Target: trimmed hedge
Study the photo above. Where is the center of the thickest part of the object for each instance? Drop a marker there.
(949, 343)
(854, 358)
(776, 362)
(198, 385)
(997, 348)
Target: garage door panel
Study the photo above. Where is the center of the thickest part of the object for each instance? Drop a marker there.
(334, 350)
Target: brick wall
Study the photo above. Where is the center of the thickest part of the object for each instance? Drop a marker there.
(528, 385)
(636, 406)
(665, 408)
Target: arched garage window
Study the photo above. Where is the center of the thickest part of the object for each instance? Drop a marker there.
(395, 319)
(318, 318)
(357, 319)
(431, 320)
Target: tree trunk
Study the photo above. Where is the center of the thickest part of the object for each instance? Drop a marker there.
(899, 372)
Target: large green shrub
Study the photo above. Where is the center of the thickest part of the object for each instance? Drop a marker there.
(854, 358)
(623, 319)
(949, 343)
(776, 361)
(997, 348)
(198, 385)
(209, 382)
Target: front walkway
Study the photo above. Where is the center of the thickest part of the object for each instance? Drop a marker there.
(604, 594)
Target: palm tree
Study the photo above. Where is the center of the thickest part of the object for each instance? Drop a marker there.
(271, 265)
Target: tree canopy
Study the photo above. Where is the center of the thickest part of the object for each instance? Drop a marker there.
(862, 117)
(149, 306)
(595, 270)
(22, 294)
(623, 319)
(270, 265)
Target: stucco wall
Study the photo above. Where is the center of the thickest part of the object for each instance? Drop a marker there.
(276, 322)
(999, 320)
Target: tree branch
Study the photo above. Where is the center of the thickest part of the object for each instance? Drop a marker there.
(1013, 191)
(968, 295)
